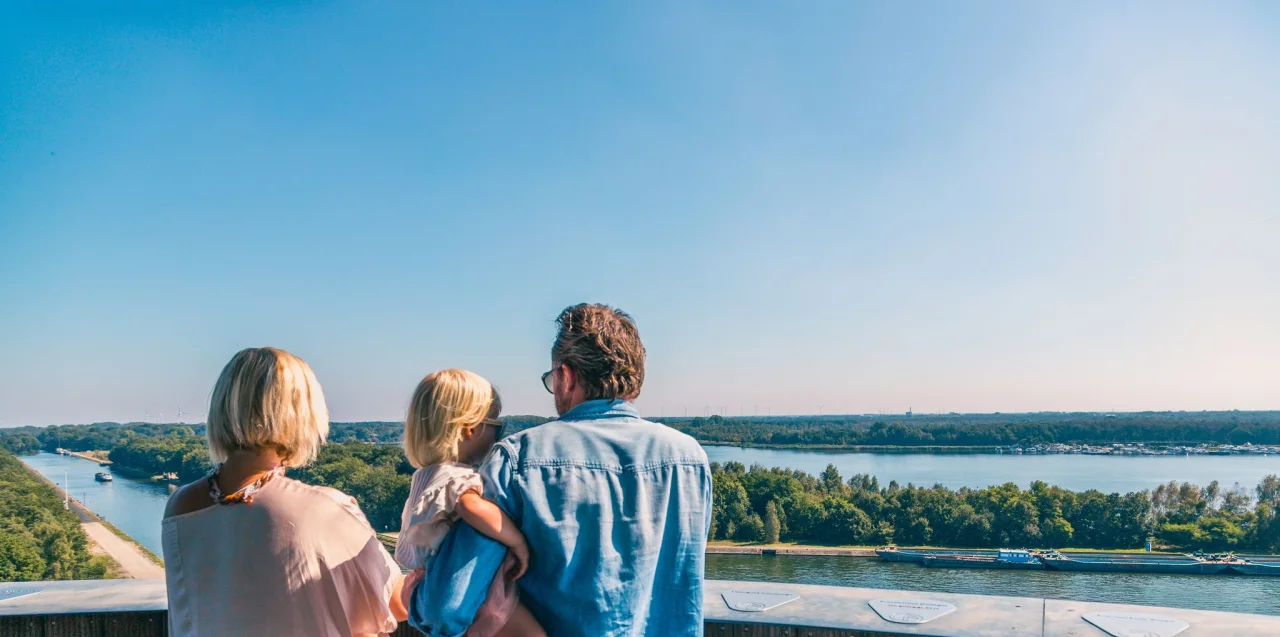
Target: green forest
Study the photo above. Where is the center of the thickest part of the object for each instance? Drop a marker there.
(781, 505)
(988, 430)
(935, 431)
(39, 540)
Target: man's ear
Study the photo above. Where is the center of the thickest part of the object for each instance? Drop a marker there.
(468, 434)
(569, 378)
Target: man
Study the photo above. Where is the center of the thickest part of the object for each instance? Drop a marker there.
(615, 508)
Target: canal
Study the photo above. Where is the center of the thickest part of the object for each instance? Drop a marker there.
(133, 506)
(136, 507)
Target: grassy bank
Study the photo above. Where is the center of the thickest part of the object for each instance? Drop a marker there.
(125, 536)
(39, 539)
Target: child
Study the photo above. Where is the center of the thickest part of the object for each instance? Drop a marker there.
(451, 425)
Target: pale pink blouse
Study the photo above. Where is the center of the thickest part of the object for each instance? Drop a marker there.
(298, 560)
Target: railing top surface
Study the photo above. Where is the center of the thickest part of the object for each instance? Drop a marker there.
(816, 606)
(82, 596)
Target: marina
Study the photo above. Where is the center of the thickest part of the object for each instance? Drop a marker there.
(1023, 559)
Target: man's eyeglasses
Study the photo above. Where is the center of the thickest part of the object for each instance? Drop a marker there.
(548, 380)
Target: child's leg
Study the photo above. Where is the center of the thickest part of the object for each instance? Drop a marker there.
(521, 624)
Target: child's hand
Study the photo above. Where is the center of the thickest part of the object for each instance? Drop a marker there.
(521, 554)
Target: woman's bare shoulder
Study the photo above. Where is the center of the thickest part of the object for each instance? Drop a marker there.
(189, 498)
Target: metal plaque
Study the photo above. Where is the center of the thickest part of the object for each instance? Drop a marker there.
(756, 601)
(910, 611)
(16, 591)
(1121, 624)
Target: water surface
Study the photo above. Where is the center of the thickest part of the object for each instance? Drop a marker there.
(1109, 474)
(133, 506)
(1206, 592)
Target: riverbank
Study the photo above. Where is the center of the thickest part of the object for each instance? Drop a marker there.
(88, 455)
(130, 559)
(781, 548)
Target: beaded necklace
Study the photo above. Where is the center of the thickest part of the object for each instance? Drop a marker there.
(243, 494)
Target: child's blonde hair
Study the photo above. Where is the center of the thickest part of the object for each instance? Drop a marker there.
(445, 404)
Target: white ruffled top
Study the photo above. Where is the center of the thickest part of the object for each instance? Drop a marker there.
(429, 511)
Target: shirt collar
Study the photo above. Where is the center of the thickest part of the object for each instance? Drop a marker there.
(601, 408)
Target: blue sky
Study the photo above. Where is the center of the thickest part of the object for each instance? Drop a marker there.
(845, 207)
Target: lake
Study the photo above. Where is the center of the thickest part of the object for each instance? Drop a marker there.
(1109, 474)
(136, 506)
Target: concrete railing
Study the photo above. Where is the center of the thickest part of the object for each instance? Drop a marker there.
(136, 608)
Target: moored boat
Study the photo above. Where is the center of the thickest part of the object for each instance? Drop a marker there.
(1058, 562)
(1247, 567)
(895, 554)
(1009, 559)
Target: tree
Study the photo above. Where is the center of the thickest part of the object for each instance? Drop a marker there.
(772, 525)
(830, 479)
(751, 529)
(1269, 490)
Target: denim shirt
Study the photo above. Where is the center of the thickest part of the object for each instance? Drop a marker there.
(616, 510)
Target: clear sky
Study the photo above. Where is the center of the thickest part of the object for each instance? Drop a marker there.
(846, 207)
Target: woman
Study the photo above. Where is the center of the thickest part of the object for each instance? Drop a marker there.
(248, 551)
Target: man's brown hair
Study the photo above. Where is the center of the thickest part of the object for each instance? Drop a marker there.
(602, 345)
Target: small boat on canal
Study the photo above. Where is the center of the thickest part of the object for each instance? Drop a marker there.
(1009, 559)
(103, 477)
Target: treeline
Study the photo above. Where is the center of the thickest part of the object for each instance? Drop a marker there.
(988, 429)
(181, 452)
(39, 540)
(377, 476)
(933, 430)
(781, 505)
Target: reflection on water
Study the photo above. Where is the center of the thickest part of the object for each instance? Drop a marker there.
(1109, 474)
(1207, 592)
(135, 506)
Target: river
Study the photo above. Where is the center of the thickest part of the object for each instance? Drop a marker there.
(136, 507)
(1109, 474)
(1206, 592)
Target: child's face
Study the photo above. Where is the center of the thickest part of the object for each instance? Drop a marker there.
(477, 441)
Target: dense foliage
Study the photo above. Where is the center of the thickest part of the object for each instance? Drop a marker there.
(39, 540)
(377, 476)
(1259, 427)
(766, 505)
(784, 505)
(932, 430)
(181, 452)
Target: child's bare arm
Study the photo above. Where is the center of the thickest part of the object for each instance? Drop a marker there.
(485, 517)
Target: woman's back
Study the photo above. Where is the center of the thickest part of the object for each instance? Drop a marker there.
(298, 559)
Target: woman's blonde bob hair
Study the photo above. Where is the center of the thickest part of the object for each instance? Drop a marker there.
(267, 398)
(445, 404)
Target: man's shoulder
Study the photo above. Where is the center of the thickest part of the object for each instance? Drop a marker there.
(603, 439)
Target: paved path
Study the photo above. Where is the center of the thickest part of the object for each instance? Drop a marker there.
(132, 560)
